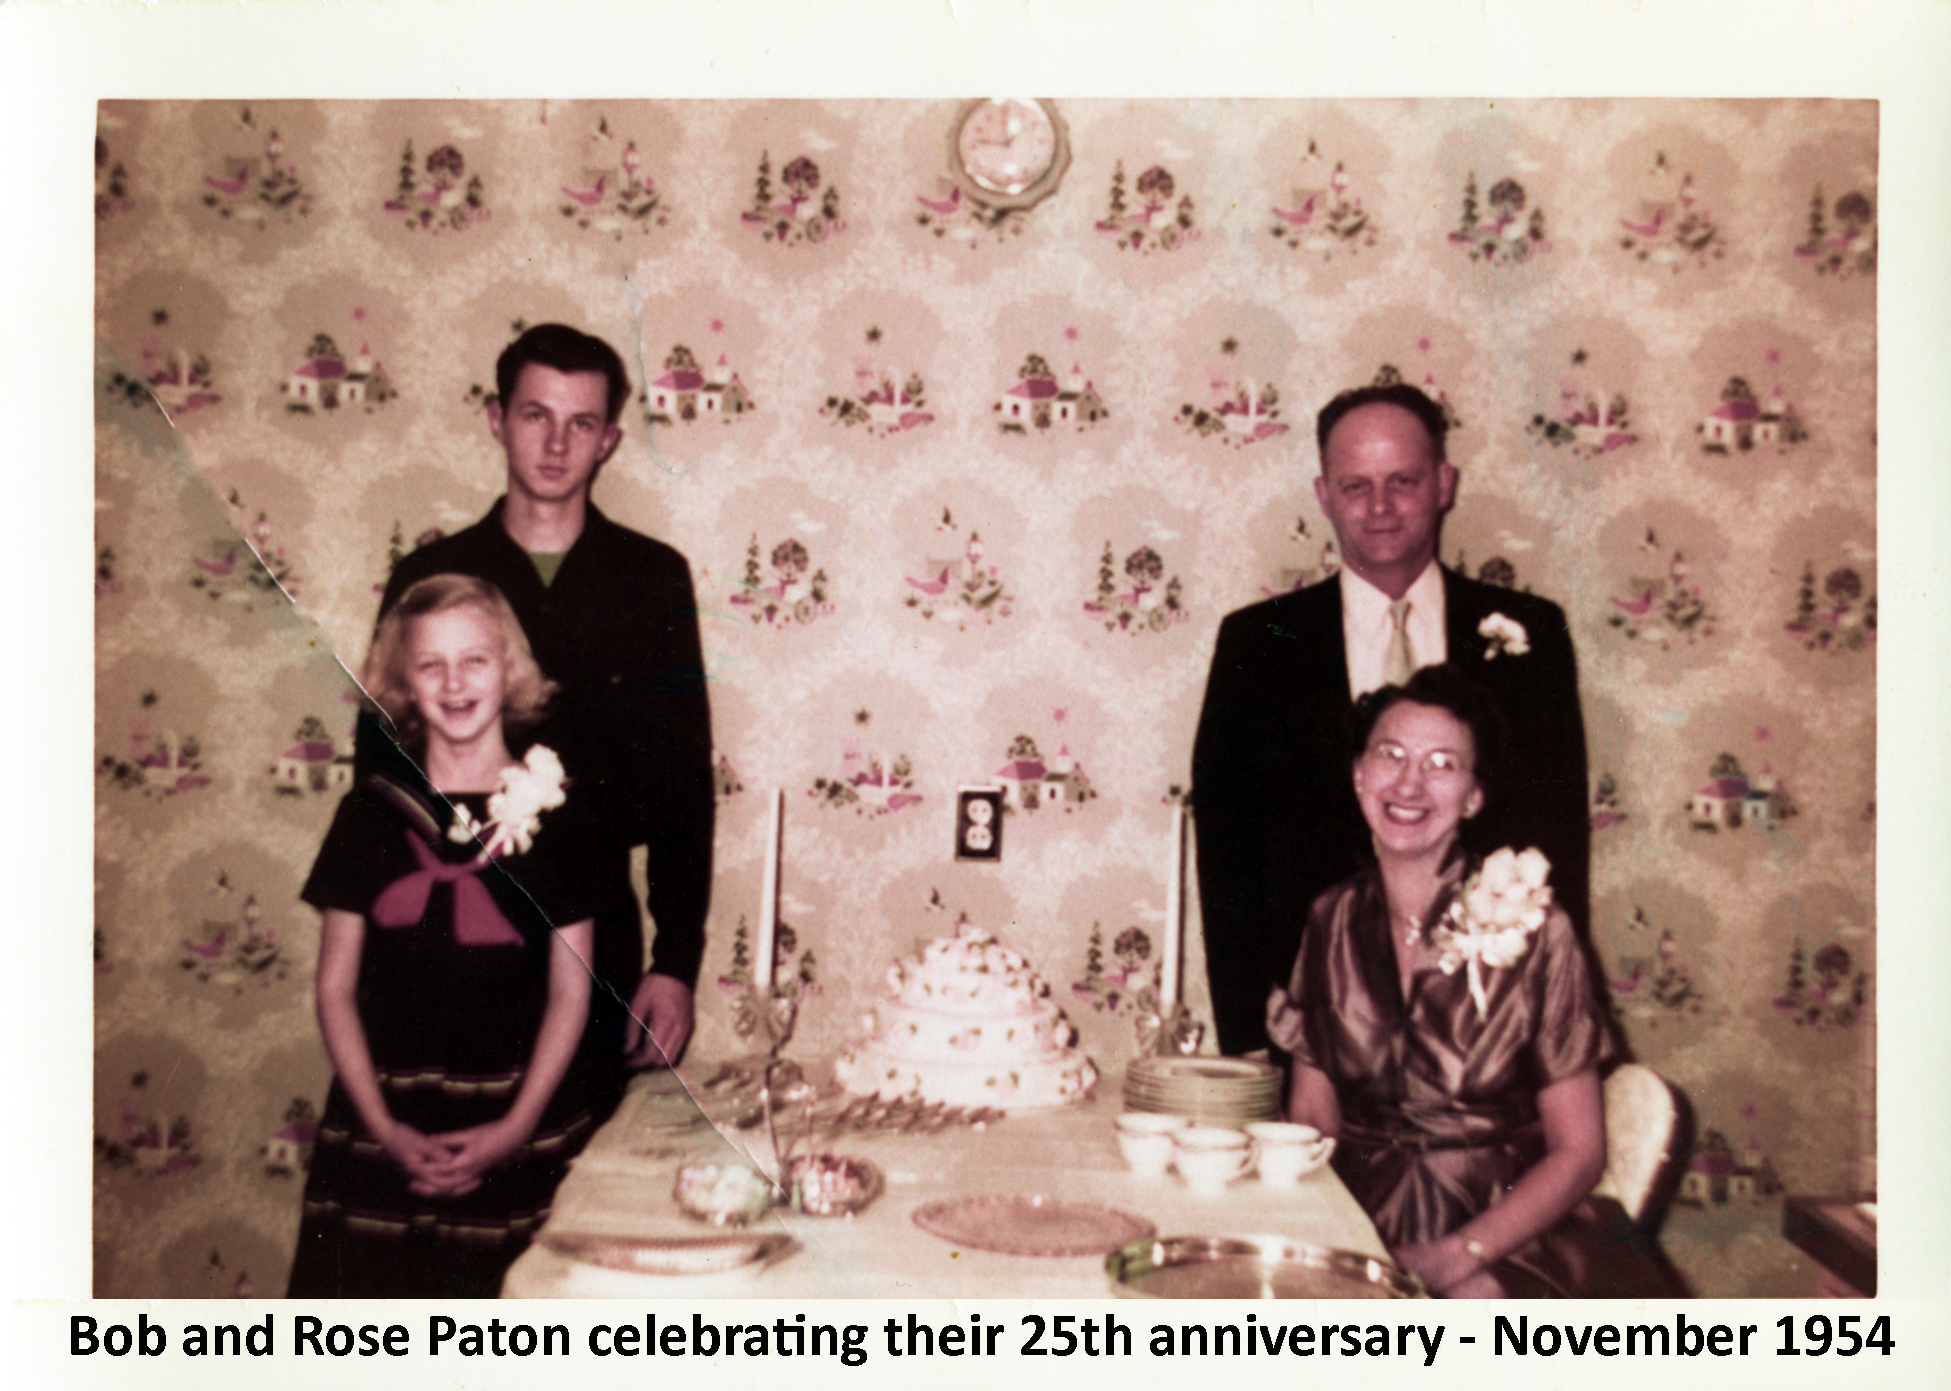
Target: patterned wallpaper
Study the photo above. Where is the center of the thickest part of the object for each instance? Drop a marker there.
(966, 489)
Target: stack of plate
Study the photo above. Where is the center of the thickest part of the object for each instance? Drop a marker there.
(1212, 1091)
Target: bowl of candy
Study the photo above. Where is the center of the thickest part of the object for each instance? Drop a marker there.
(831, 1185)
(725, 1195)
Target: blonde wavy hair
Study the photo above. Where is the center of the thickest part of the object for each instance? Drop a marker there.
(527, 693)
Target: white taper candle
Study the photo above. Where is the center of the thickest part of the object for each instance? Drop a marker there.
(769, 893)
(1168, 986)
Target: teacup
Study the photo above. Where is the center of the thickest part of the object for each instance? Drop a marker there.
(1209, 1157)
(1287, 1150)
(1146, 1139)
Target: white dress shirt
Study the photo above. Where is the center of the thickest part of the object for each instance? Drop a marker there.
(1367, 626)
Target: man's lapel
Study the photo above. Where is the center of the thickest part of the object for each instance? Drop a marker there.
(1324, 646)
(1463, 611)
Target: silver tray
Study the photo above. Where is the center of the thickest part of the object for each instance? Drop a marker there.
(1252, 1267)
(673, 1255)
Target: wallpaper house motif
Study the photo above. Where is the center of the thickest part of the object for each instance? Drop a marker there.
(989, 436)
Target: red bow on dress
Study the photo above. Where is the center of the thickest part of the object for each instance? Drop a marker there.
(478, 921)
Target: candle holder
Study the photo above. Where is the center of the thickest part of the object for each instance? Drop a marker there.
(1169, 1031)
(765, 1015)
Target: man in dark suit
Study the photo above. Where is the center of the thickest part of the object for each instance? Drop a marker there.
(1273, 802)
(613, 620)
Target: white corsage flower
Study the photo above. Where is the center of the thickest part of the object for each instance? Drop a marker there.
(515, 808)
(1505, 635)
(1491, 922)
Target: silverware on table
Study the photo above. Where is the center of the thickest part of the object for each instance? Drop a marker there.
(924, 1119)
(904, 1115)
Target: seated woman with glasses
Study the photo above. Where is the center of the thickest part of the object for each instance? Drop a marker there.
(1443, 1022)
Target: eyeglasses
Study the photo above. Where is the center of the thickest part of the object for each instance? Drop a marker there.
(1390, 760)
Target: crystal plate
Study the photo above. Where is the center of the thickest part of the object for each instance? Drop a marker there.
(1035, 1226)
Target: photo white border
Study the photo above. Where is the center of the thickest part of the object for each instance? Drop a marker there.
(57, 60)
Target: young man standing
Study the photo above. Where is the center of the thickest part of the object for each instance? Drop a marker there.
(613, 620)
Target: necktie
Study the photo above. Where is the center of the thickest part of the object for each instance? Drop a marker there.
(1401, 662)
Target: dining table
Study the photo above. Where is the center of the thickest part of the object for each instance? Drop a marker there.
(987, 1183)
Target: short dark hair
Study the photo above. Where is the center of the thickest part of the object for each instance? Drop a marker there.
(1412, 399)
(567, 350)
(1449, 689)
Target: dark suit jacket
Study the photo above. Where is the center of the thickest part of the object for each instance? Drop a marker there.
(1273, 801)
(618, 629)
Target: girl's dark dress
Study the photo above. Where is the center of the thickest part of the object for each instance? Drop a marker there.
(451, 1029)
(1439, 1108)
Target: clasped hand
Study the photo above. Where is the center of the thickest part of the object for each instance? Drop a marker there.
(450, 1164)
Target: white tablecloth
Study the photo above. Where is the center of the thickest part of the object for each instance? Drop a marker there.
(622, 1186)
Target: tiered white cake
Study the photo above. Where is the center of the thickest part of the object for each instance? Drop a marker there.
(967, 1022)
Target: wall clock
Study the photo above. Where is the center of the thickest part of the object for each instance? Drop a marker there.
(1009, 152)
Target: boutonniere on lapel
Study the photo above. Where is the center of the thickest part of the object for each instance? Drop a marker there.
(515, 809)
(1504, 635)
(1491, 922)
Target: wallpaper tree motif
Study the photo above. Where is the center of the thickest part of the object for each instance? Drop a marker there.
(967, 487)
